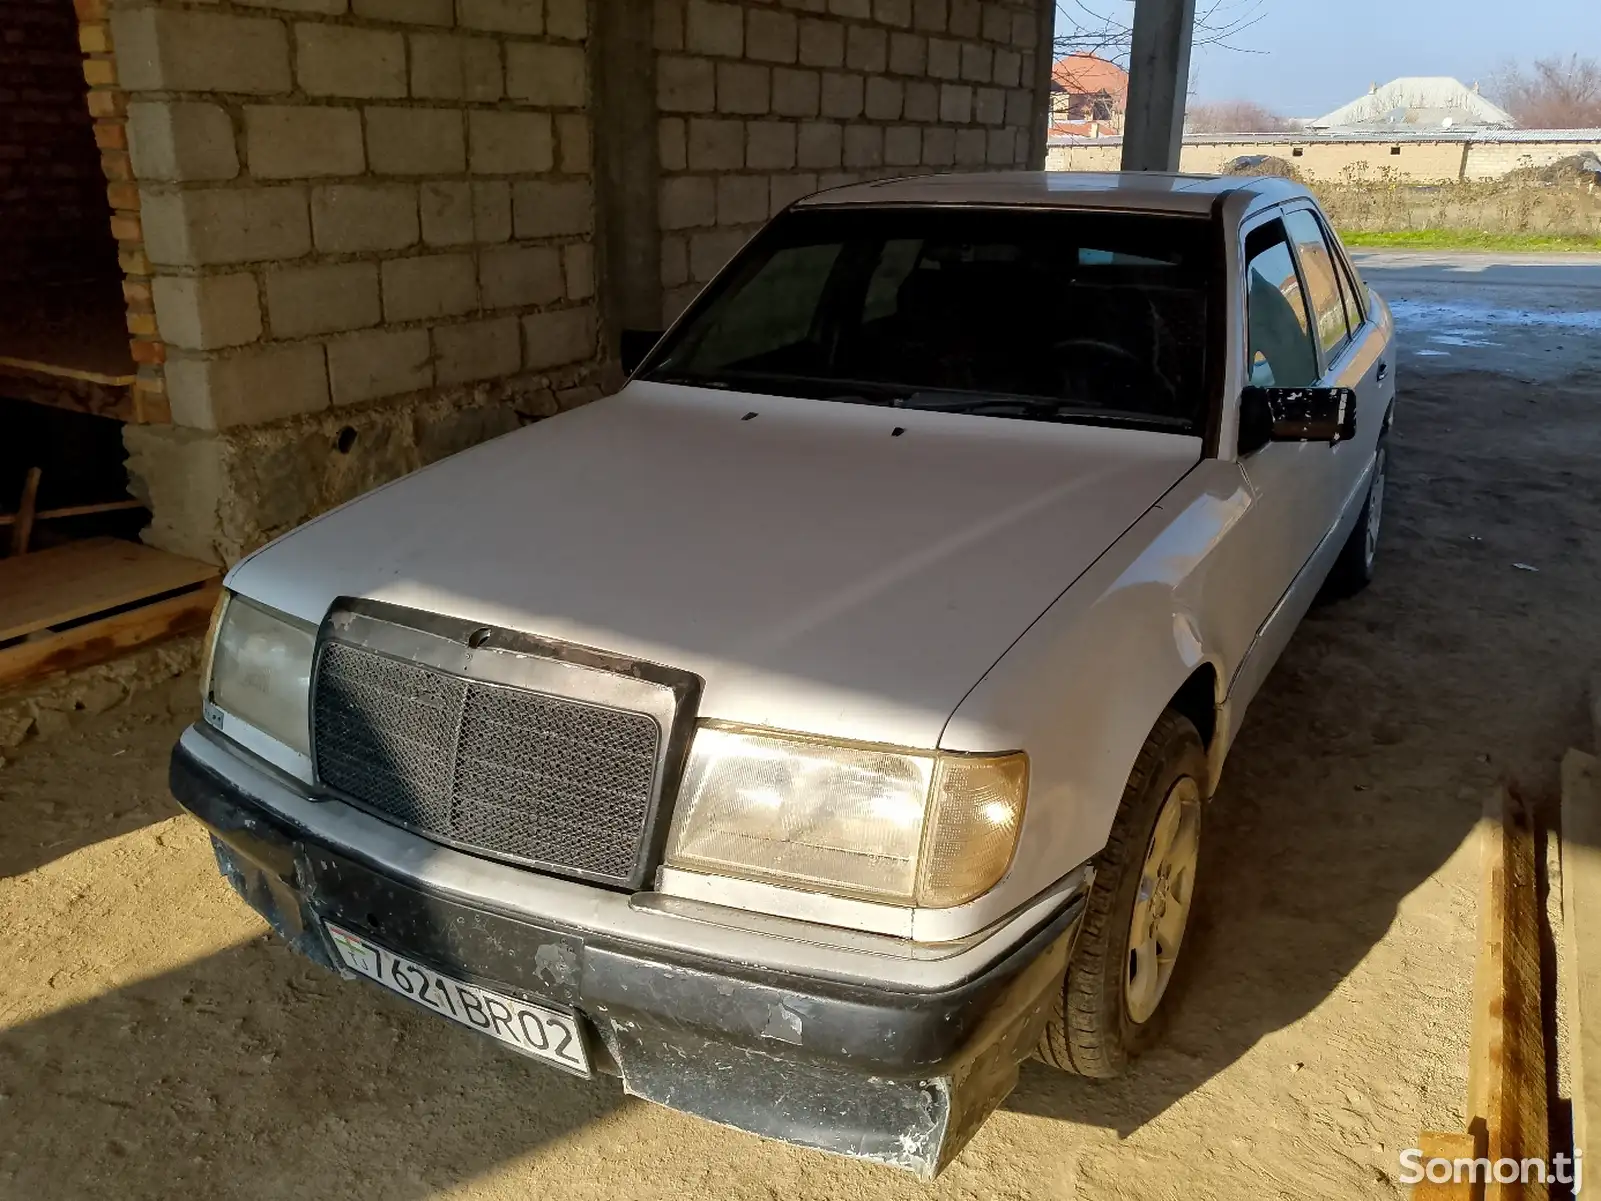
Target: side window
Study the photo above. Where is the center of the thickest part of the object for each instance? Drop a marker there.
(1279, 339)
(1322, 282)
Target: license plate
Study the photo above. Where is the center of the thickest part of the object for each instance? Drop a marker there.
(535, 1030)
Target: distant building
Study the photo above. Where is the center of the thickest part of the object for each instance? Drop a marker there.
(1088, 96)
(1416, 103)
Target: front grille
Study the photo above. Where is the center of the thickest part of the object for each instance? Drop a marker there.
(517, 774)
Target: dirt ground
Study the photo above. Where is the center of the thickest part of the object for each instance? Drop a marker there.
(155, 1043)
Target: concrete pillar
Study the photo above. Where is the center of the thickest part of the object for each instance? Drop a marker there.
(1159, 79)
(1044, 60)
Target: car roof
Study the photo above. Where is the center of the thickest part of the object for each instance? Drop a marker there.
(1145, 191)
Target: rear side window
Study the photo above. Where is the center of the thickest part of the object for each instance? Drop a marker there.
(1322, 282)
(1279, 337)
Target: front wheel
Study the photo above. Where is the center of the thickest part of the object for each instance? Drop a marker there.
(1353, 570)
(1110, 1006)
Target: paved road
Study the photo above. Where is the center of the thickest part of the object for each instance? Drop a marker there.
(1536, 317)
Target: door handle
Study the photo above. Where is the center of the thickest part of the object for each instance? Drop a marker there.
(1384, 370)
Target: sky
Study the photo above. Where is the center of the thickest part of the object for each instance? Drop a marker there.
(1314, 55)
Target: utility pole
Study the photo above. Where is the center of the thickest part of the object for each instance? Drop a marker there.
(1159, 74)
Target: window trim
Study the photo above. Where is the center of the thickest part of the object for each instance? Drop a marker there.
(1326, 358)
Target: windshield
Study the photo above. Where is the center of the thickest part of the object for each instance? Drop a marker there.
(1077, 316)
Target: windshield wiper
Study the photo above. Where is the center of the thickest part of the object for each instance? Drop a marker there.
(1041, 406)
(811, 387)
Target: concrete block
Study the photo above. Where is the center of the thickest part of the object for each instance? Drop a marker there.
(1001, 147)
(864, 146)
(893, 12)
(547, 209)
(476, 350)
(207, 312)
(971, 147)
(996, 25)
(416, 141)
(578, 269)
(1008, 68)
(1025, 31)
(492, 211)
(575, 143)
(336, 60)
(966, 16)
(448, 66)
(567, 19)
(511, 276)
(503, 16)
(446, 209)
(209, 226)
(429, 286)
(323, 299)
(955, 103)
(939, 147)
(715, 145)
(181, 141)
(903, 146)
(989, 106)
(885, 98)
(559, 338)
(358, 218)
(1020, 146)
(247, 388)
(688, 201)
(741, 199)
(675, 260)
(187, 51)
(772, 36)
(676, 300)
(978, 63)
(785, 189)
(686, 85)
(842, 96)
(866, 49)
(796, 93)
(1019, 107)
(922, 102)
(908, 54)
(549, 76)
(822, 43)
(410, 12)
(743, 88)
(668, 28)
(819, 144)
(714, 28)
(930, 15)
(302, 141)
(379, 363)
(770, 145)
(672, 148)
(330, 8)
(862, 10)
(944, 59)
(510, 143)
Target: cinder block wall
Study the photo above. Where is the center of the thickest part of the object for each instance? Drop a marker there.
(761, 103)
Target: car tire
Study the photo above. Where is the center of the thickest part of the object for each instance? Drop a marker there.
(1102, 1017)
(1353, 570)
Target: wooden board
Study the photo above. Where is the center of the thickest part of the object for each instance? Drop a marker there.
(95, 641)
(1581, 937)
(65, 583)
(1435, 1145)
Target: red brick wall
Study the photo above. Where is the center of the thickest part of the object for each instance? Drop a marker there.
(53, 210)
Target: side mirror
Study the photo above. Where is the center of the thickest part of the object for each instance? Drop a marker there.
(634, 345)
(1295, 415)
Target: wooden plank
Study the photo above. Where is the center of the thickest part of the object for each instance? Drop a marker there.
(96, 641)
(1506, 1065)
(83, 578)
(1581, 937)
(109, 506)
(1436, 1145)
(22, 531)
(117, 401)
(36, 367)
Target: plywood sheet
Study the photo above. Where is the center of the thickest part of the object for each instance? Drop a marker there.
(65, 583)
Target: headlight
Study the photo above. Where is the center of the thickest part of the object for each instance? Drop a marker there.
(261, 670)
(906, 828)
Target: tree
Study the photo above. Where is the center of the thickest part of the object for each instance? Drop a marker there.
(1233, 116)
(1558, 93)
(1105, 27)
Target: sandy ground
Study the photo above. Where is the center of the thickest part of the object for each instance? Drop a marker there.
(155, 1043)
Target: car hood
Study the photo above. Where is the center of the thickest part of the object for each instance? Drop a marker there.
(848, 570)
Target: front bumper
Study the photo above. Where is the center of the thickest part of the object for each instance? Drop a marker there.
(897, 1076)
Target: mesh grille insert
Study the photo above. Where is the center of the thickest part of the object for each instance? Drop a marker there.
(517, 774)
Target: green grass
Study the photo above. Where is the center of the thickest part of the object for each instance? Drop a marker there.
(1465, 239)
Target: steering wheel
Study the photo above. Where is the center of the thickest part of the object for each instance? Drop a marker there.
(1117, 358)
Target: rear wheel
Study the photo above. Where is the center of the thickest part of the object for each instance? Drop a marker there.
(1111, 1007)
(1353, 570)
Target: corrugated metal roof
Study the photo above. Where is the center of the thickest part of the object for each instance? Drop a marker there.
(1417, 101)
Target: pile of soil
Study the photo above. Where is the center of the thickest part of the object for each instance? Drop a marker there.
(1262, 164)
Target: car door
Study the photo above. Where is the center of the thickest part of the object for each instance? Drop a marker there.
(1351, 353)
